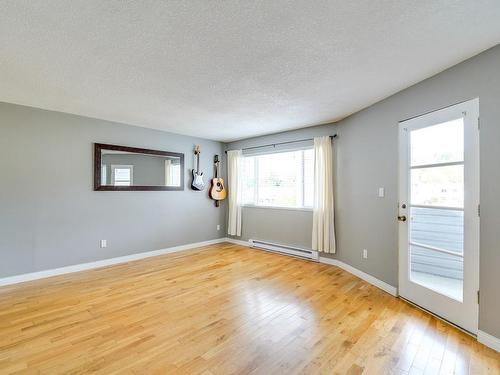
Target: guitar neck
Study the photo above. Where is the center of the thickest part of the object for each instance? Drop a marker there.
(216, 163)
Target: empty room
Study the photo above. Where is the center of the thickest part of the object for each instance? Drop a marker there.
(250, 187)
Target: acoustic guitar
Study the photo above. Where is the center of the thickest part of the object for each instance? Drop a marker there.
(197, 183)
(218, 190)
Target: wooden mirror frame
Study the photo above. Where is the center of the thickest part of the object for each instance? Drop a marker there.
(97, 168)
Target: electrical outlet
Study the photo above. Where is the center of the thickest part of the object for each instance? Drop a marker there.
(104, 244)
(218, 226)
(365, 254)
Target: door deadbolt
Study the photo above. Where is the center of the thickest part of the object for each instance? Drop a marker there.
(402, 218)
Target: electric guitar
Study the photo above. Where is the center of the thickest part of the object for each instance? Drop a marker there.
(218, 190)
(198, 183)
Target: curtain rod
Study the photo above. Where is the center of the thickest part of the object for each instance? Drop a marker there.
(281, 143)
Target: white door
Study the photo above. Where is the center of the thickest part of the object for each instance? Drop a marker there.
(439, 213)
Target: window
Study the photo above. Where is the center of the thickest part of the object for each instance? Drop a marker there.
(122, 175)
(282, 179)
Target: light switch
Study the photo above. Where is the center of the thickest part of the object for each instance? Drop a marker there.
(381, 192)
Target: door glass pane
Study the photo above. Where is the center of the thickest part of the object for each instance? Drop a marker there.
(442, 143)
(439, 228)
(437, 234)
(438, 271)
(438, 186)
(441, 271)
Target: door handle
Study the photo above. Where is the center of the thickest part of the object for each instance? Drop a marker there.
(402, 218)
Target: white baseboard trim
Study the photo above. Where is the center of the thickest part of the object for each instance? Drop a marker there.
(103, 263)
(362, 275)
(488, 340)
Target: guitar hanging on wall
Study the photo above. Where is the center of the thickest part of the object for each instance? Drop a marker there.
(218, 190)
(197, 183)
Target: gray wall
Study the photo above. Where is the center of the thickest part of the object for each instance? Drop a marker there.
(366, 159)
(51, 217)
(288, 227)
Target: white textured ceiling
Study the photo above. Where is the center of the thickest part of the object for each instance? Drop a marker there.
(230, 69)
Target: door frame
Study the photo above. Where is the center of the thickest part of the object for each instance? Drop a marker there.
(441, 305)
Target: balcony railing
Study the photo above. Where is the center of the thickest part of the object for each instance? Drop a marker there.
(436, 241)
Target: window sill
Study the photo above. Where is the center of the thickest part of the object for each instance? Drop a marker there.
(279, 208)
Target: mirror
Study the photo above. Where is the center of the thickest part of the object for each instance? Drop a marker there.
(130, 168)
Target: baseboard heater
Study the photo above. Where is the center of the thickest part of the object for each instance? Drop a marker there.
(285, 249)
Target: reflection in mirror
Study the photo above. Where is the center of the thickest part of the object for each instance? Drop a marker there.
(120, 168)
(125, 168)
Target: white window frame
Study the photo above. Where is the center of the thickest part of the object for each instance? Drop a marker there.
(122, 166)
(256, 189)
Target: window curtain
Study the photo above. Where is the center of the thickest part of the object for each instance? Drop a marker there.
(234, 192)
(323, 233)
(168, 173)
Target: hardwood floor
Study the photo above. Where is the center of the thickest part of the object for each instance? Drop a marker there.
(224, 309)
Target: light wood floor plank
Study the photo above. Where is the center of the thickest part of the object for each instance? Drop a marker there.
(224, 309)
